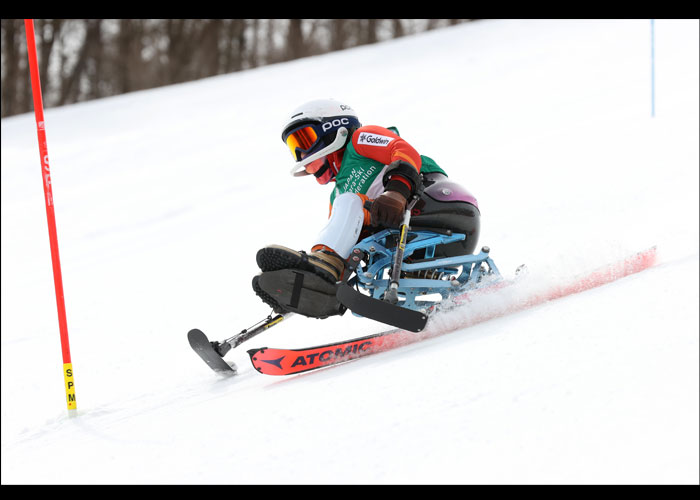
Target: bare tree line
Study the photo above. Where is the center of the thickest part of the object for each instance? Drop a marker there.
(84, 59)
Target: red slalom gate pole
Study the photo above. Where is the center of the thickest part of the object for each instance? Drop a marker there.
(50, 215)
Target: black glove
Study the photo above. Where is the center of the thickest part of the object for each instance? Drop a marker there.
(388, 209)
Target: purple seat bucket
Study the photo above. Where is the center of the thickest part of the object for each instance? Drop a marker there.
(446, 191)
(445, 204)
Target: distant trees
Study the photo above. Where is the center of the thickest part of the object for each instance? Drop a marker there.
(83, 59)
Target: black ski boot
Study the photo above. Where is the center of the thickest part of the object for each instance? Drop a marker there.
(299, 282)
(326, 264)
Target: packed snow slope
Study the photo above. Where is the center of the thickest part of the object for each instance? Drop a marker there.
(164, 196)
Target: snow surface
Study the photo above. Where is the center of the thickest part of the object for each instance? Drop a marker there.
(164, 196)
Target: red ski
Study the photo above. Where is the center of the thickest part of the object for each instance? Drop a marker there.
(290, 361)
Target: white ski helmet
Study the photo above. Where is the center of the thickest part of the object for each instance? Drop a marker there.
(316, 129)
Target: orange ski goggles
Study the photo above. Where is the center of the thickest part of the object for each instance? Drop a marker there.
(301, 141)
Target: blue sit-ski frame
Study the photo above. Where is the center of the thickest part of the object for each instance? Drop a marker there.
(380, 248)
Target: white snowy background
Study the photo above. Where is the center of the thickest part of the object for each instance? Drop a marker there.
(164, 196)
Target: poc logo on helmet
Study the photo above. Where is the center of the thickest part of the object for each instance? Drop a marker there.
(334, 123)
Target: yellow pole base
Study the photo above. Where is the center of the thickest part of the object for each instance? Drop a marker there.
(70, 386)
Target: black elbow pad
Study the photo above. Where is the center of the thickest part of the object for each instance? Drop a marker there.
(406, 171)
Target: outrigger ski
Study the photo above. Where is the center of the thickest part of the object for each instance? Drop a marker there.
(213, 352)
(208, 352)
